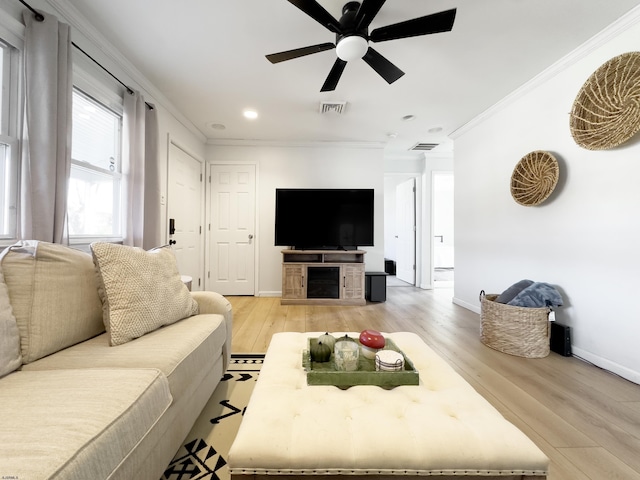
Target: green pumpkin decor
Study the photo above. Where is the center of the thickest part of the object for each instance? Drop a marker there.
(328, 339)
(320, 352)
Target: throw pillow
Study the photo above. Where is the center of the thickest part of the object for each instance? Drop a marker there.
(10, 357)
(141, 291)
(510, 293)
(54, 296)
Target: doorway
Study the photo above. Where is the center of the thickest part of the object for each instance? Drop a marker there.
(402, 229)
(443, 232)
(185, 212)
(232, 227)
(406, 231)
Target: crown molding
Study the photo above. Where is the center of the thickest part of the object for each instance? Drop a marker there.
(229, 142)
(404, 156)
(616, 28)
(12, 29)
(102, 44)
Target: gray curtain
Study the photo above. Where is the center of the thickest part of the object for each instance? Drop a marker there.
(152, 195)
(141, 175)
(46, 152)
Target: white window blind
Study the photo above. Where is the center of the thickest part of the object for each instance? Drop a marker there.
(94, 198)
(8, 141)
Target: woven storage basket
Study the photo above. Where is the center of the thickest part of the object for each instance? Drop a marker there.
(520, 331)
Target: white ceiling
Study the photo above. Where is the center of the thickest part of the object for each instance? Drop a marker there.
(207, 57)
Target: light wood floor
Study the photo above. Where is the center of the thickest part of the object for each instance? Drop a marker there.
(585, 419)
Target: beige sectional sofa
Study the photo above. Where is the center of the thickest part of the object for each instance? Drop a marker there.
(81, 402)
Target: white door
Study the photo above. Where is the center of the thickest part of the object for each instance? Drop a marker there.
(184, 209)
(406, 231)
(232, 212)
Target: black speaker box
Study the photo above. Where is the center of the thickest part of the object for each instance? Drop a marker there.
(390, 266)
(560, 339)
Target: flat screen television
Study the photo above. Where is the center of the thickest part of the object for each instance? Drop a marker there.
(332, 219)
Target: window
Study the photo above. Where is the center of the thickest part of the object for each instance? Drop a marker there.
(94, 197)
(8, 142)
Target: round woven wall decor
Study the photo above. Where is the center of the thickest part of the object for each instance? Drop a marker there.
(534, 178)
(606, 111)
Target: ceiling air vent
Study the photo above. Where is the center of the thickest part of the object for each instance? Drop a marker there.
(423, 147)
(332, 107)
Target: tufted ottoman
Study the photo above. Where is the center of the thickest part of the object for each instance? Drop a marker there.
(441, 427)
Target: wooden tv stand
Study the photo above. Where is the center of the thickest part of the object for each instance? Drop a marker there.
(323, 277)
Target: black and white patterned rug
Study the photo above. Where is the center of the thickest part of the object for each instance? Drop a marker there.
(203, 455)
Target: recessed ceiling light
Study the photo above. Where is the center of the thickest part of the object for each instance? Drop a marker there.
(408, 118)
(435, 130)
(217, 126)
(250, 114)
(392, 135)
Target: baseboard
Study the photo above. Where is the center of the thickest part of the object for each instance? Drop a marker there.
(468, 306)
(606, 364)
(269, 294)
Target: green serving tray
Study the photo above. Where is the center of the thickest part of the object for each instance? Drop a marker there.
(325, 373)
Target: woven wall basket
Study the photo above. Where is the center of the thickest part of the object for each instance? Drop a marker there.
(534, 178)
(519, 331)
(606, 112)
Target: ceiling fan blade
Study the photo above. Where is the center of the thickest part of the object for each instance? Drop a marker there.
(299, 52)
(367, 12)
(435, 23)
(319, 14)
(334, 76)
(384, 67)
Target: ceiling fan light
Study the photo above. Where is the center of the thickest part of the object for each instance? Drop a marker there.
(351, 48)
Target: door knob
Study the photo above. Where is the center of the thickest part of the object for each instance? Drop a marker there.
(172, 242)
(250, 237)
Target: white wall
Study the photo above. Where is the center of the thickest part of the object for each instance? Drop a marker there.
(584, 239)
(311, 166)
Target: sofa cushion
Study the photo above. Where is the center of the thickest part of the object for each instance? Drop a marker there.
(140, 290)
(178, 350)
(54, 296)
(10, 357)
(76, 423)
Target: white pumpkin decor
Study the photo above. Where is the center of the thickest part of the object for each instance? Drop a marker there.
(327, 339)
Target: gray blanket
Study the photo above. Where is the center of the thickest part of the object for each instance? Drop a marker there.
(538, 294)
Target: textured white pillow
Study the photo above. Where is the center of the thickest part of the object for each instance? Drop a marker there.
(141, 291)
(10, 357)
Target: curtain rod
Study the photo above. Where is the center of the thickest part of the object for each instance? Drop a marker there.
(39, 17)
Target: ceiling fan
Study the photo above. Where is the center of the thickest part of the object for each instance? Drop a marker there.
(353, 37)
